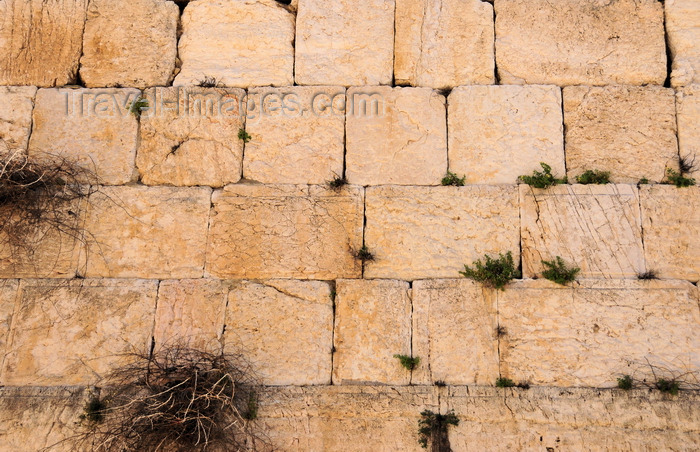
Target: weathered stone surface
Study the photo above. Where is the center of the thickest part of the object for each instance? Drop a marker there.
(444, 43)
(372, 324)
(239, 43)
(130, 43)
(628, 131)
(569, 42)
(148, 232)
(454, 332)
(344, 42)
(8, 296)
(396, 136)
(190, 136)
(497, 133)
(284, 328)
(594, 227)
(598, 331)
(73, 332)
(683, 32)
(16, 104)
(92, 128)
(671, 225)
(688, 111)
(40, 41)
(297, 135)
(285, 231)
(431, 232)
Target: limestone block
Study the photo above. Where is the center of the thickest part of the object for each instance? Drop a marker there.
(284, 328)
(444, 43)
(92, 128)
(344, 42)
(239, 43)
(190, 136)
(129, 43)
(372, 324)
(74, 332)
(497, 133)
(688, 111)
(597, 331)
(594, 227)
(671, 225)
(683, 32)
(150, 232)
(16, 104)
(41, 41)
(431, 232)
(396, 136)
(570, 42)
(298, 135)
(629, 131)
(454, 332)
(8, 296)
(285, 231)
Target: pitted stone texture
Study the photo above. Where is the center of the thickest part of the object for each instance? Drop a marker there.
(688, 111)
(372, 324)
(190, 136)
(570, 42)
(285, 231)
(129, 43)
(8, 296)
(297, 137)
(284, 328)
(148, 232)
(16, 104)
(396, 136)
(92, 128)
(239, 43)
(671, 225)
(594, 227)
(74, 332)
(431, 232)
(444, 43)
(628, 131)
(683, 31)
(497, 133)
(597, 331)
(344, 42)
(40, 41)
(454, 332)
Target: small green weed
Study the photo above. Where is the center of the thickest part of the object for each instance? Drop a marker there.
(137, 107)
(94, 411)
(678, 179)
(408, 362)
(667, 386)
(243, 135)
(452, 179)
(643, 181)
(251, 412)
(208, 82)
(504, 383)
(559, 272)
(625, 382)
(440, 383)
(432, 429)
(338, 182)
(542, 179)
(650, 274)
(593, 177)
(363, 254)
(494, 273)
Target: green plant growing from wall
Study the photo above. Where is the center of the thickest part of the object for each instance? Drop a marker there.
(94, 411)
(363, 254)
(625, 382)
(138, 106)
(686, 165)
(208, 82)
(542, 179)
(407, 362)
(452, 179)
(494, 273)
(504, 383)
(668, 386)
(593, 177)
(649, 274)
(337, 182)
(433, 430)
(559, 272)
(243, 135)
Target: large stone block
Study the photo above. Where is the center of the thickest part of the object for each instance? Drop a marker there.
(372, 324)
(298, 135)
(444, 43)
(344, 42)
(497, 133)
(688, 116)
(16, 104)
(239, 43)
(41, 41)
(594, 227)
(8, 297)
(129, 43)
(284, 328)
(683, 33)
(570, 42)
(285, 231)
(628, 131)
(431, 232)
(396, 136)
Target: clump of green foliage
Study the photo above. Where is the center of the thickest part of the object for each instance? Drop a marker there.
(625, 382)
(137, 107)
(679, 179)
(432, 429)
(243, 135)
(559, 272)
(251, 412)
(494, 273)
(505, 383)
(542, 179)
(337, 182)
(364, 254)
(593, 177)
(94, 411)
(650, 274)
(208, 82)
(667, 386)
(452, 179)
(408, 362)
(643, 181)
(440, 383)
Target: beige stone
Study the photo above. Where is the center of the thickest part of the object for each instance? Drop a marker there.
(683, 32)
(129, 43)
(16, 104)
(297, 135)
(497, 133)
(628, 131)
(372, 324)
(285, 231)
(239, 43)
(8, 296)
(688, 116)
(396, 136)
(190, 136)
(149, 232)
(40, 41)
(431, 232)
(344, 42)
(74, 332)
(594, 227)
(284, 328)
(671, 225)
(444, 43)
(569, 42)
